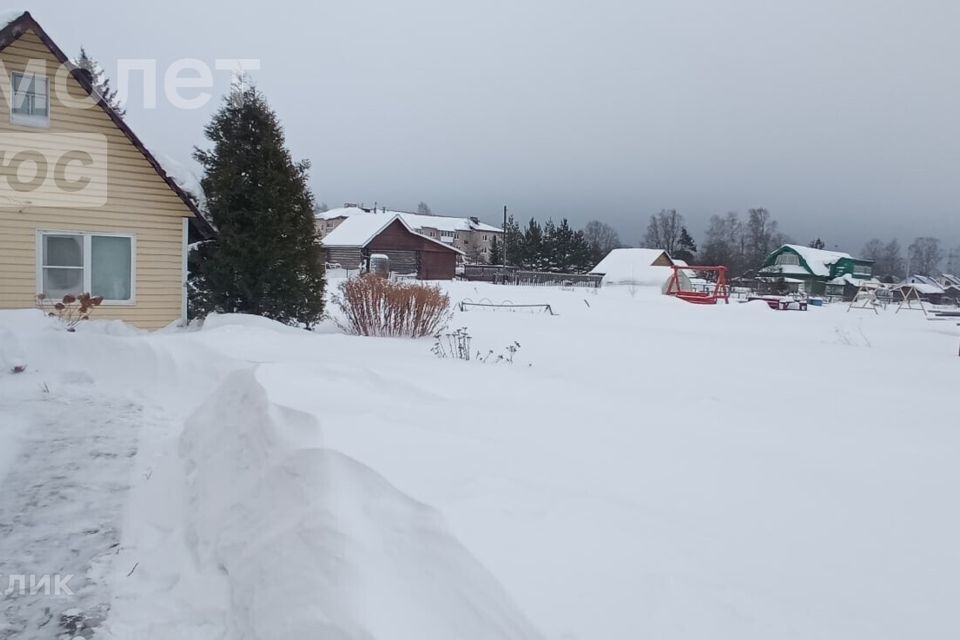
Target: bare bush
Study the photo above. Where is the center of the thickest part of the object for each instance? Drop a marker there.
(375, 306)
(70, 310)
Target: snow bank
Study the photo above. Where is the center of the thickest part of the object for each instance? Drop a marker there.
(316, 544)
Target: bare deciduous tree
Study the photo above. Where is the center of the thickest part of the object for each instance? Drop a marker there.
(924, 255)
(723, 243)
(664, 230)
(602, 239)
(887, 261)
(953, 261)
(761, 236)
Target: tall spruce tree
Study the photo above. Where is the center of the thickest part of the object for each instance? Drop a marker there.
(581, 254)
(533, 245)
(513, 245)
(548, 253)
(100, 81)
(686, 247)
(266, 258)
(496, 251)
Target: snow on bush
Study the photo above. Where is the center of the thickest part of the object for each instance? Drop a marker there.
(318, 545)
(376, 306)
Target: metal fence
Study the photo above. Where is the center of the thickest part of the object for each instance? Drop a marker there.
(499, 274)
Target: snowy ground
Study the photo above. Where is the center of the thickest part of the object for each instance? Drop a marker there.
(645, 468)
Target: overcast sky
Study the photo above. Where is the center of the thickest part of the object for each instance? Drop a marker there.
(842, 117)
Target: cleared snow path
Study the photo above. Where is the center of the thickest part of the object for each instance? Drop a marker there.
(60, 508)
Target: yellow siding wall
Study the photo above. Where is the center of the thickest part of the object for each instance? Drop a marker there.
(139, 203)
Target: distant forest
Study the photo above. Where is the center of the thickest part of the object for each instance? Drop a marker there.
(739, 242)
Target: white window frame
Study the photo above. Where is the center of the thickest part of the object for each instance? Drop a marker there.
(87, 238)
(25, 119)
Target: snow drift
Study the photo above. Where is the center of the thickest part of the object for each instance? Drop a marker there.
(316, 544)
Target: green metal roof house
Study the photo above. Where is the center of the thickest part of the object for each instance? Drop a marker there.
(814, 270)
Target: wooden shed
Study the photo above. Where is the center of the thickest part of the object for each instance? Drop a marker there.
(353, 242)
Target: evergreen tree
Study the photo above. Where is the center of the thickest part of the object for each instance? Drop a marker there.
(533, 257)
(513, 244)
(496, 251)
(817, 244)
(548, 254)
(565, 250)
(424, 209)
(581, 254)
(686, 248)
(266, 259)
(100, 81)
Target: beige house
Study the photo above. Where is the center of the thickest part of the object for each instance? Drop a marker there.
(84, 206)
(468, 235)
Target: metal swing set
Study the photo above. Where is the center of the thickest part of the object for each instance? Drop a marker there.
(720, 290)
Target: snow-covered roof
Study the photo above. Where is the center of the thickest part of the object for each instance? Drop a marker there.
(819, 260)
(179, 173)
(358, 231)
(9, 15)
(786, 269)
(949, 280)
(633, 266)
(414, 220)
(341, 212)
(848, 278)
(922, 284)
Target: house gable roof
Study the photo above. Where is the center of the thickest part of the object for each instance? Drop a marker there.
(628, 258)
(13, 26)
(923, 284)
(818, 262)
(414, 220)
(635, 267)
(359, 231)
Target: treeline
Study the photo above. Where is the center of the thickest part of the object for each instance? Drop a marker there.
(553, 246)
(925, 257)
(742, 244)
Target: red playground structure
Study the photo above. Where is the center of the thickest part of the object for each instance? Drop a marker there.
(714, 290)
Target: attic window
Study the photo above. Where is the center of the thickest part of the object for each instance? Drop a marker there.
(30, 100)
(788, 258)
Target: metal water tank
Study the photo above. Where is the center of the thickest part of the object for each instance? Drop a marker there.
(380, 264)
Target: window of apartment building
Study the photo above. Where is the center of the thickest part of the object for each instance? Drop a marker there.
(73, 263)
(30, 100)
